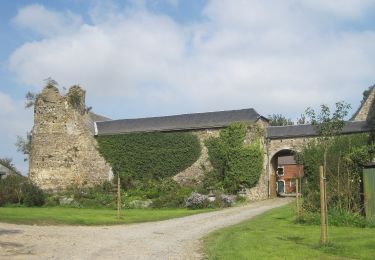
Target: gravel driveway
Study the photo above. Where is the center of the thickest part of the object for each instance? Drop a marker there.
(170, 239)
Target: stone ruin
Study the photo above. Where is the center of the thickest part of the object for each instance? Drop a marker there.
(63, 147)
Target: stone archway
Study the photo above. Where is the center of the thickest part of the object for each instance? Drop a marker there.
(284, 170)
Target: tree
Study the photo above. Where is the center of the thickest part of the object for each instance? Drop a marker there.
(328, 125)
(7, 162)
(30, 99)
(24, 144)
(279, 120)
(302, 120)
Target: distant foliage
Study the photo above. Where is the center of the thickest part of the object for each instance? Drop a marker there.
(279, 120)
(236, 165)
(147, 156)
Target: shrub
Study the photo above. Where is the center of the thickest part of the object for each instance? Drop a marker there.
(170, 194)
(197, 201)
(101, 195)
(32, 195)
(11, 189)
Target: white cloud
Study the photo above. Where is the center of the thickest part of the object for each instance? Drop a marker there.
(344, 8)
(46, 22)
(6, 105)
(276, 57)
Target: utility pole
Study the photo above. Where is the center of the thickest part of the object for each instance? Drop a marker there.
(323, 208)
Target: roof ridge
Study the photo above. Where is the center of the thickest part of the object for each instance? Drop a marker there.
(185, 114)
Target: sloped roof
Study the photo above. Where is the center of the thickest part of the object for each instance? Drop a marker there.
(278, 132)
(90, 119)
(177, 122)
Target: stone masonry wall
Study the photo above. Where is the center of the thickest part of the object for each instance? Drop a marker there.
(363, 112)
(194, 174)
(63, 151)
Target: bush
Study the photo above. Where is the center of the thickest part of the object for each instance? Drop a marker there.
(100, 195)
(32, 195)
(197, 201)
(11, 189)
(51, 201)
(170, 194)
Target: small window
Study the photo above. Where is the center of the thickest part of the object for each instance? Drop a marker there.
(280, 171)
(1, 175)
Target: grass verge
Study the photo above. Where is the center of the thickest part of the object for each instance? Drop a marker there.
(84, 216)
(274, 235)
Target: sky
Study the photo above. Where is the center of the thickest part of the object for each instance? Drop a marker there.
(141, 58)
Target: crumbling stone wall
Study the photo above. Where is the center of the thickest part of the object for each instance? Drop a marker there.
(63, 150)
(364, 110)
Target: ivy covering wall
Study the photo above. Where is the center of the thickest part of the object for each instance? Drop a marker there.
(147, 156)
(236, 165)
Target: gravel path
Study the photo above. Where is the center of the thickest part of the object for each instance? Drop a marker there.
(170, 239)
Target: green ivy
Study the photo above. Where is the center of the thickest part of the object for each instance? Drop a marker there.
(149, 156)
(236, 165)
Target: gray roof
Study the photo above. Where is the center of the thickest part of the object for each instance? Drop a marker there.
(90, 118)
(278, 132)
(177, 122)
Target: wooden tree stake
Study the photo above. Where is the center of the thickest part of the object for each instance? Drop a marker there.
(323, 218)
(118, 197)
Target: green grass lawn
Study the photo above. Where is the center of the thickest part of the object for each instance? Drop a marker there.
(84, 216)
(274, 235)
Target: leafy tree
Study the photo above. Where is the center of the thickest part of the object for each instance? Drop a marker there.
(30, 99)
(7, 162)
(327, 124)
(279, 120)
(302, 120)
(24, 145)
(345, 158)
